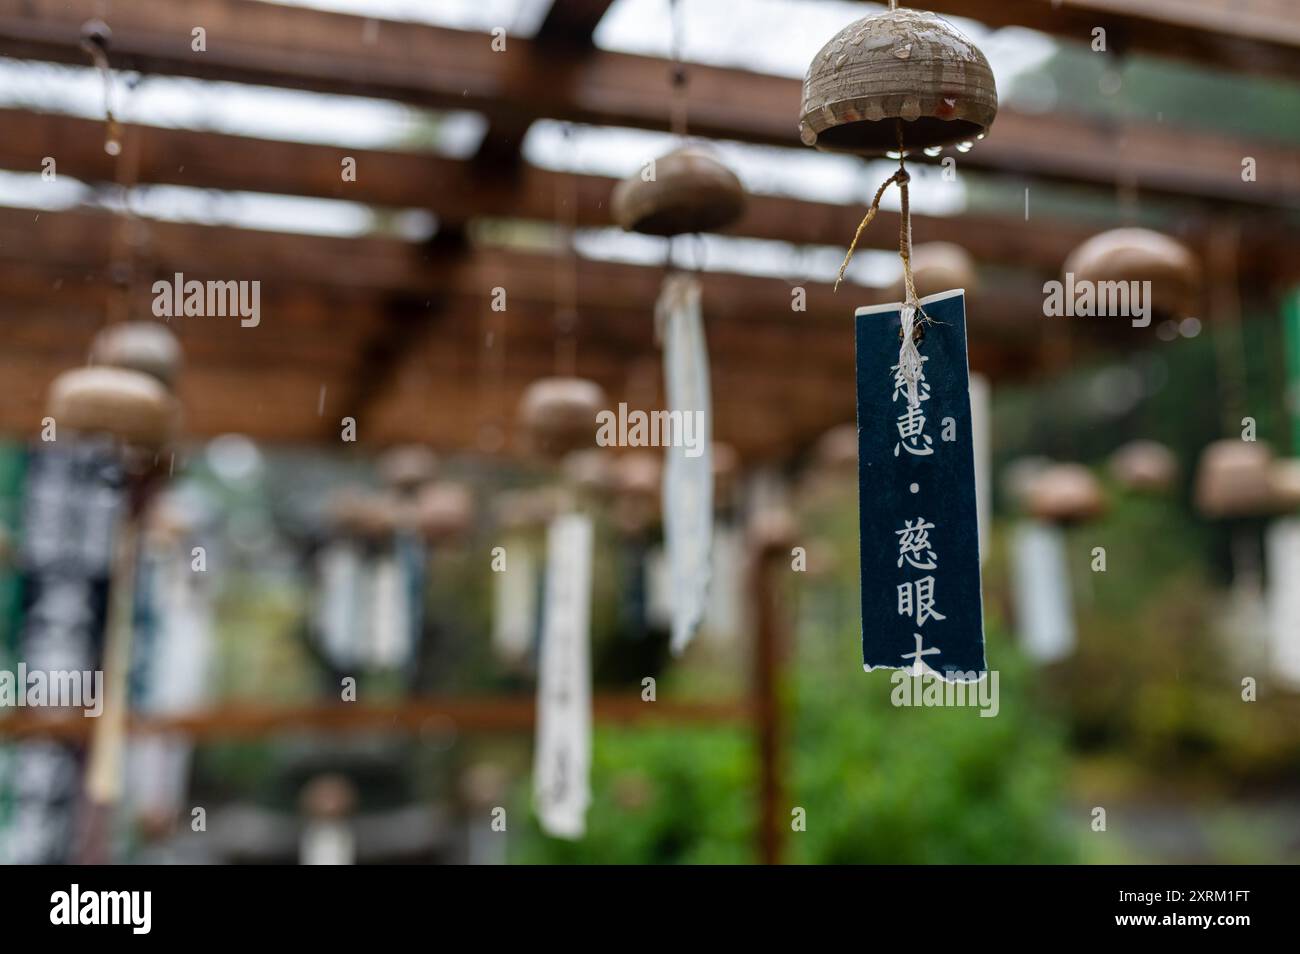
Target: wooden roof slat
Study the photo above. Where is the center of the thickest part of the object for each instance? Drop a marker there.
(1249, 36)
(432, 66)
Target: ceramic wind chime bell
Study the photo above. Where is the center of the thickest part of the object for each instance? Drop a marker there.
(1144, 466)
(146, 346)
(559, 415)
(131, 406)
(905, 67)
(1140, 255)
(688, 190)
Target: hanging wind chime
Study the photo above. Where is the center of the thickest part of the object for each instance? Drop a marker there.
(559, 418)
(687, 191)
(893, 84)
(1058, 497)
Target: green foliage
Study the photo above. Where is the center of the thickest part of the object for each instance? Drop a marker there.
(894, 785)
(659, 796)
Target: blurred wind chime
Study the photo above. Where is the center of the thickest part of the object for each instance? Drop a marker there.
(890, 85)
(558, 419)
(90, 485)
(1241, 482)
(371, 571)
(1056, 498)
(686, 191)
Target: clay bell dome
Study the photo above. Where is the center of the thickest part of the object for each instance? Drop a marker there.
(590, 470)
(1144, 466)
(1234, 479)
(408, 467)
(1284, 478)
(559, 414)
(938, 267)
(145, 346)
(690, 191)
(444, 511)
(1128, 255)
(1065, 493)
(359, 513)
(837, 450)
(129, 405)
(904, 65)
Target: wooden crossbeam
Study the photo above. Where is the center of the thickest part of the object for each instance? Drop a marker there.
(254, 720)
(309, 49)
(459, 191)
(77, 242)
(1249, 36)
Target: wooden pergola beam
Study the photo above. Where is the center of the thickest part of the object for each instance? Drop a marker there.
(459, 191)
(309, 49)
(79, 244)
(1247, 36)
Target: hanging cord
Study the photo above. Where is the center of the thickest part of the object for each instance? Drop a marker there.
(678, 78)
(566, 312)
(909, 356)
(95, 35)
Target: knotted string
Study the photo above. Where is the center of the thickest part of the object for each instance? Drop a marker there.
(909, 356)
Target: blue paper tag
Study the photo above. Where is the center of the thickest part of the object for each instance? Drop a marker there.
(922, 607)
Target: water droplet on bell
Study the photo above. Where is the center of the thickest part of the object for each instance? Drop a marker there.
(981, 136)
(893, 154)
(965, 146)
(806, 135)
(933, 151)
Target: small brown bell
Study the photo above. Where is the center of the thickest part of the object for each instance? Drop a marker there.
(591, 471)
(559, 415)
(1234, 479)
(690, 191)
(638, 476)
(1285, 480)
(445, 511)
(358, 513)
(146, 346)
(1138, 255)
(408, 467)
(905, 65)
(130, 405)
(938, 267)
(1065, 493)
(837, 450)
(1146, 466)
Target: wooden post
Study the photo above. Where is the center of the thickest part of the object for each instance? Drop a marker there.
(771, 537)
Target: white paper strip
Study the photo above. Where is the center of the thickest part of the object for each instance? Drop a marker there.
(1282, 546)
(514, 602)
(723, 618)
(981, 424)
(390, 628)
(562, 758)
(338, 602)
(1041, 583)
(688, 463)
